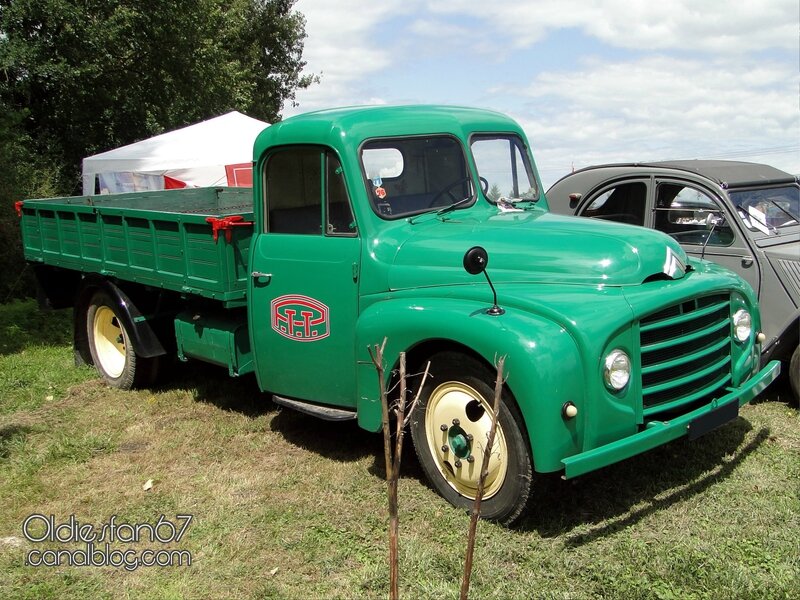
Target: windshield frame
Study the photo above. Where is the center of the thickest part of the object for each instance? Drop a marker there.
(524, 151)
(367, 183)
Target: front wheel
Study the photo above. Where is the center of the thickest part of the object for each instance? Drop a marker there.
(450, 431)
(111, 347)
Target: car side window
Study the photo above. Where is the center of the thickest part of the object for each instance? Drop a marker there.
(690, 216)
(624, 203)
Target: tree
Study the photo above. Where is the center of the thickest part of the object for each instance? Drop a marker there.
(22, 175)
(83, 76)
(495, 193)
(96, 74)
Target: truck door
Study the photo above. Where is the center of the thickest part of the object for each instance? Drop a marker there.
(304, 285)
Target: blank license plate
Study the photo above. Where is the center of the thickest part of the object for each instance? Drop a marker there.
(718, 416)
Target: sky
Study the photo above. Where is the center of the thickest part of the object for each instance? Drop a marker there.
(590, 81)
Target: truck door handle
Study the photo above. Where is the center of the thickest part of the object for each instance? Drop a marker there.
(260, 275)
(747, 261)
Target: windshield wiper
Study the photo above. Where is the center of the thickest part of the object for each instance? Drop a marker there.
(441, 211)
(786, 212)
(510, 204)
(746, 214)
(453, 206)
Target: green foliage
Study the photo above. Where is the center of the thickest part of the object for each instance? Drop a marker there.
(36, 361)
(98, 74)
(495, 193)
(23, 175)
(79, 77)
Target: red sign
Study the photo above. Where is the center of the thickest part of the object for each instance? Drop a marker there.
(240, 175)
(300, 318)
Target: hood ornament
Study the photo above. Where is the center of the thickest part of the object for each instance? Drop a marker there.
(673, 265)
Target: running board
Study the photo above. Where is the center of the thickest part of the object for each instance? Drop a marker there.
(328, 413)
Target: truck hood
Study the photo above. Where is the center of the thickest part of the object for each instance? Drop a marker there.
(534, 246)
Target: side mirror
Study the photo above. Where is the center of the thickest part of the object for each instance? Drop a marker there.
(714, 220)
(476, 260)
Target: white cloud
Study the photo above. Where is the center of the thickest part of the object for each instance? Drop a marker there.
(669, 79)
(718, 26)
(344, 46)
(663, 108)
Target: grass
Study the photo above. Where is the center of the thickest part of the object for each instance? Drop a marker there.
(286, 506)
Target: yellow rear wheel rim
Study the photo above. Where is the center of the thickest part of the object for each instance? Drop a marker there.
(109, 342)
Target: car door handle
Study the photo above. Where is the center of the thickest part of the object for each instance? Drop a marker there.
(260, 275)
(747, 261)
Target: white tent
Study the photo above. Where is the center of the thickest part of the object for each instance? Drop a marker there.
(214, 152)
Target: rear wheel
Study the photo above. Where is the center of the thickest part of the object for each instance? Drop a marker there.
(111, 347)
(450, 431)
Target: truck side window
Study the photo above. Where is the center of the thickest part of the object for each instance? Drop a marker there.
(340, 219)
(623, 203)
(687, 214)
(293, 189)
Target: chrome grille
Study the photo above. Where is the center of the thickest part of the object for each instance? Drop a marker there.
(685, 353)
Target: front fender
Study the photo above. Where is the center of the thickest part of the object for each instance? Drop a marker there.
(543, 365)
(783, 344)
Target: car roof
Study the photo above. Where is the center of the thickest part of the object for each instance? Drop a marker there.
(726, 173)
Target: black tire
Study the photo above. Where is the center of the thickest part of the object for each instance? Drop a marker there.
(111, 346)
(459, 392)
(794, 374)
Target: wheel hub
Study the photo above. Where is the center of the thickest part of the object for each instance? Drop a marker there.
(460, 441)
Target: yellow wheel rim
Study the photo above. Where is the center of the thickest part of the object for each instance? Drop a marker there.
(457, 423)
(109, 342)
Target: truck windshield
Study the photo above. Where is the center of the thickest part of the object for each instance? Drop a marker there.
(504, 167)
(408, 176)
(768, 210)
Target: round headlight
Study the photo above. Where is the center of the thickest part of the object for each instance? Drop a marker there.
(742, 325)
(617, 370)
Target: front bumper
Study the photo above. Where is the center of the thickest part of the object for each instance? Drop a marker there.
(658, 433)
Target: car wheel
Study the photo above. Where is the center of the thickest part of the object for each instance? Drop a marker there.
(111, 346)
(450, 430)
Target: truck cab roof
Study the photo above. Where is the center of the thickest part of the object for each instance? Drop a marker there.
(351, 126)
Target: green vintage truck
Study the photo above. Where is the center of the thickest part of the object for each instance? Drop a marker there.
(426, 226)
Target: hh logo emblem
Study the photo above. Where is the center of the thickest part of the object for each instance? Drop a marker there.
(300, 318)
